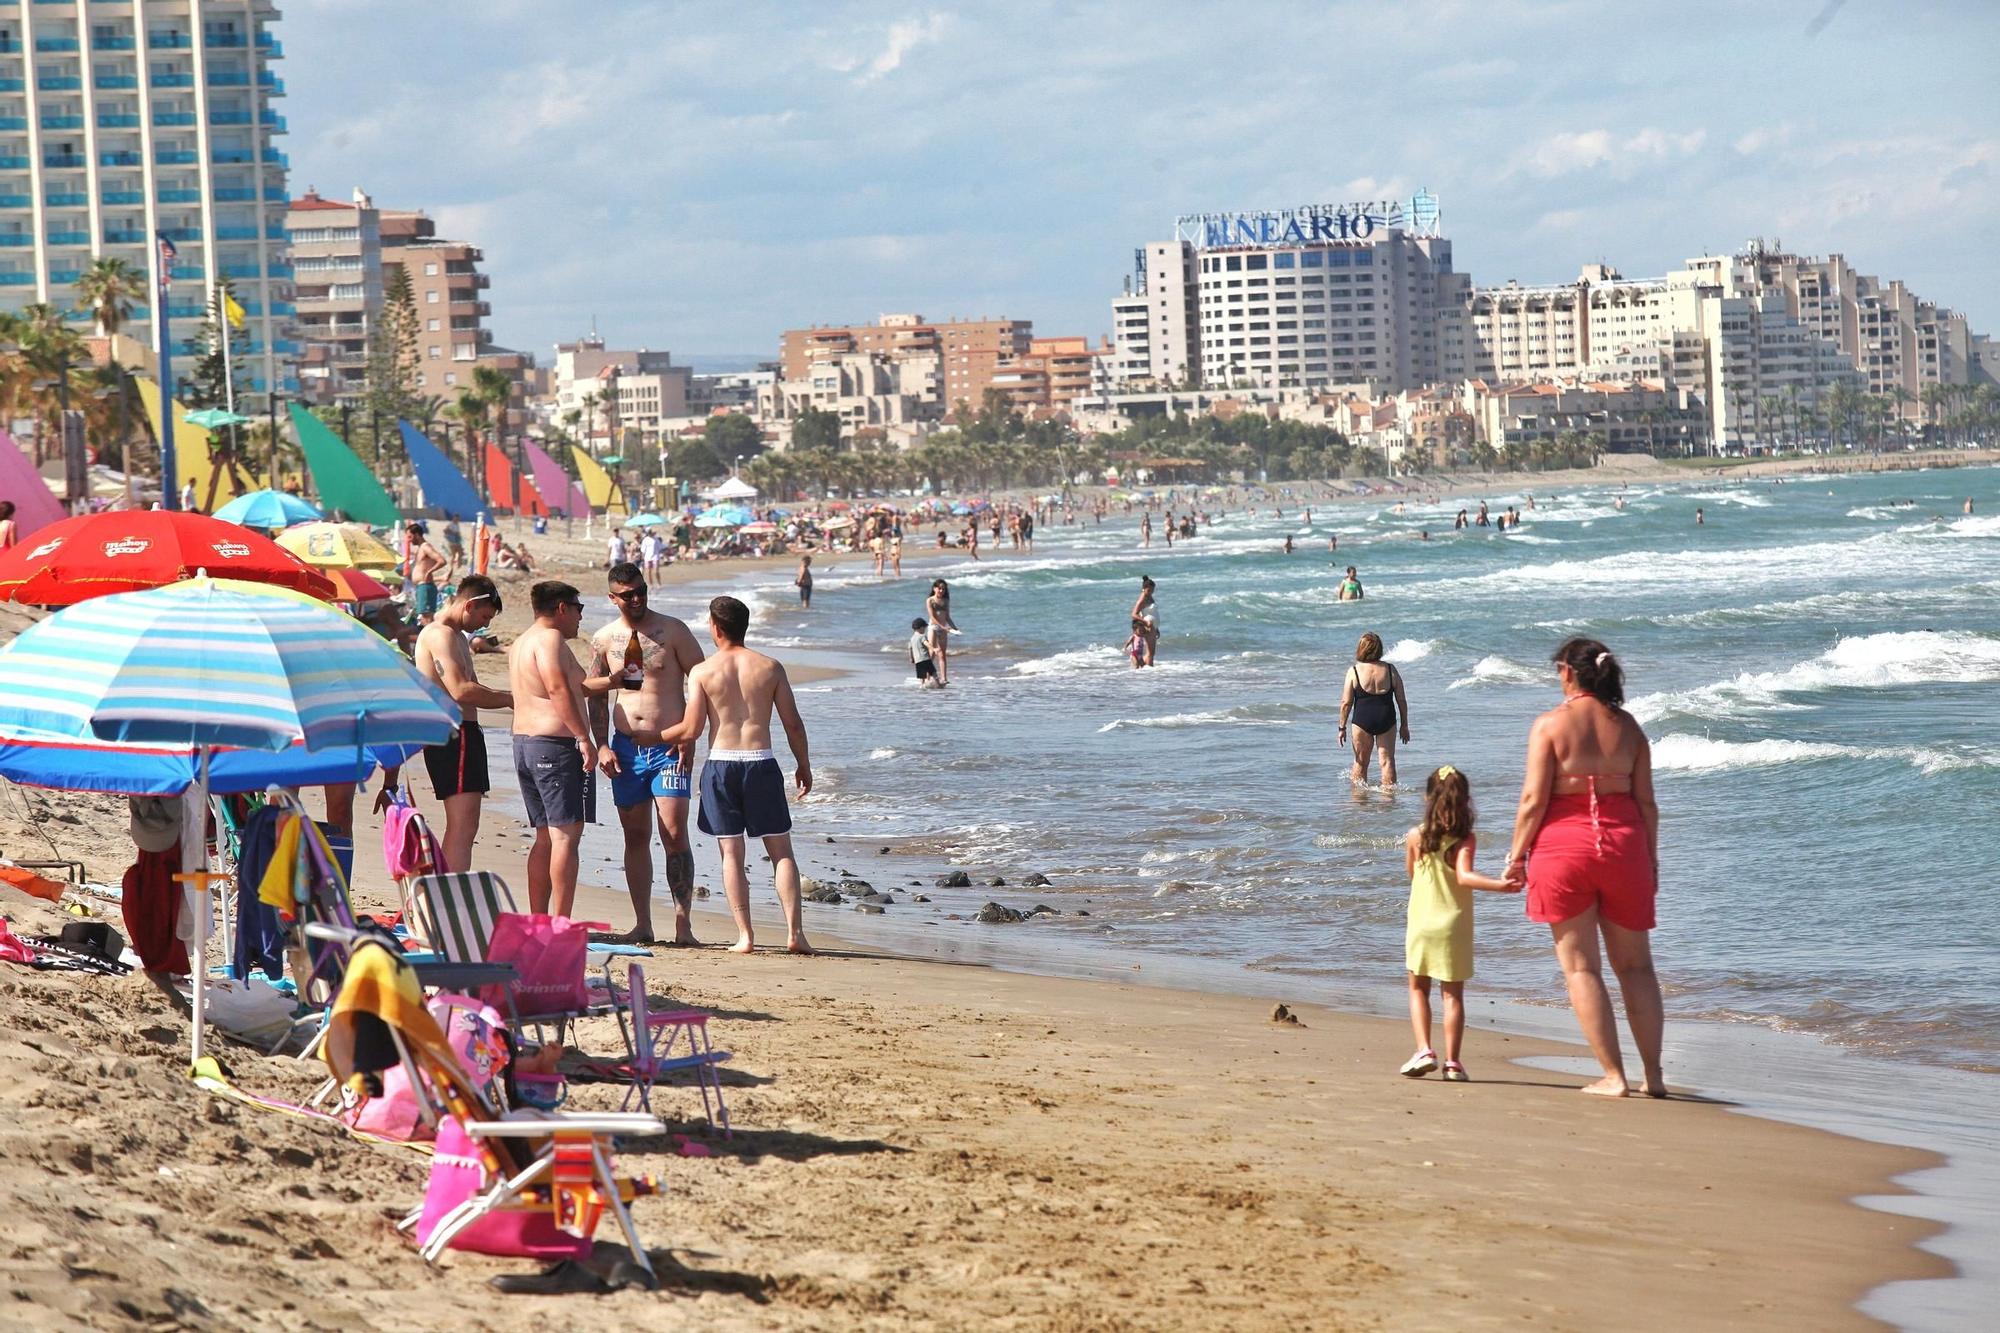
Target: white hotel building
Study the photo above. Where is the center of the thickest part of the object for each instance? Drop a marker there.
(122, 118)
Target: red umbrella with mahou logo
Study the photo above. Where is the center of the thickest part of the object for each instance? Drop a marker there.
(125, 550)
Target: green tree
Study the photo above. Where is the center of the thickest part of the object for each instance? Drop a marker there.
(107, 290)
(392, 350)
(816, 429)
(695, 460)
(732, 435)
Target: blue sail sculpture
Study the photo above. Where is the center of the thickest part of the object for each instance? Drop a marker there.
(445, 487)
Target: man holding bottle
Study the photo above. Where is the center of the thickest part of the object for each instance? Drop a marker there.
(638, 675)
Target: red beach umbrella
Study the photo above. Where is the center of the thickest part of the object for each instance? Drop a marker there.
(126, 550)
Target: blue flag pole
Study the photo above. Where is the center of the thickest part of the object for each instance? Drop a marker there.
(170, 496)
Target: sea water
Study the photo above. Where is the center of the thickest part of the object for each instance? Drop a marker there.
(1814, 664)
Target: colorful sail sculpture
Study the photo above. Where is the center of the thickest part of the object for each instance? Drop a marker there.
(552, 481)
(599, 487)
(445, 487)
(500, 484)
(346, 485)
(194, 454)
(35, 505)
(532, 503)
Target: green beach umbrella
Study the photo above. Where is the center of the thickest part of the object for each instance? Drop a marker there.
(215, 418)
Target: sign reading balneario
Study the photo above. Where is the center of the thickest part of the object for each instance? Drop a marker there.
(1310, 224)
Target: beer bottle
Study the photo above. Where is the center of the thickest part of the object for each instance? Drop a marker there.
(635, 669)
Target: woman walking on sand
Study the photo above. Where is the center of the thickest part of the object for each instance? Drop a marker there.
(1146, 615)
(939, 608)
(1587, 842)
(1372, 702)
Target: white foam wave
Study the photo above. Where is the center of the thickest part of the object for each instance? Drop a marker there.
(883, 752)
(1748, 499)
(1076, 660)
(1681, 753)
(1500, 671)
(1974, 526)
(1867, 661)
(1530, 539)
(1880, 513)
(1412, 650)
(1176, 721)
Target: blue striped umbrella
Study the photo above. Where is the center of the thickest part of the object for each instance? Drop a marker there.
(214, 663)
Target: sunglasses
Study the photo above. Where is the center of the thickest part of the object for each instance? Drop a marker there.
(572, 606)
(631, 595)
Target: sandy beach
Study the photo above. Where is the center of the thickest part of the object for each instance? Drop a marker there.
(935, 1144)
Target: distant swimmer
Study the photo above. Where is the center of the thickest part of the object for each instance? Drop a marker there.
(1968, 504)
(1619, 503)
(1425, 535)
(1332, 544)
(1288, 543)
(1461, 521)
(1699, 517)
(1350, 587)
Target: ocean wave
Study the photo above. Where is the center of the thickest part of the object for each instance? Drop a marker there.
(1176, 721)
(1680, 753)
(1497, 670)
(883, 752)
(1530, 539)
(1076, 660)
(1880, 513)
(1406, 651)
(1748, 499)
(1867, 661)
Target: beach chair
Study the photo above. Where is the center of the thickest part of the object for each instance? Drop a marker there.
(456, 912)
(660, 1044)
(552, 1167)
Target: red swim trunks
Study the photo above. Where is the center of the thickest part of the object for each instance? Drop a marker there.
(1591, 852)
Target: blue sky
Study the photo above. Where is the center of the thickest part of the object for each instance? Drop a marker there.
(701, 177)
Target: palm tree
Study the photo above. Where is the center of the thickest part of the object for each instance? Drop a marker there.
(107, 290)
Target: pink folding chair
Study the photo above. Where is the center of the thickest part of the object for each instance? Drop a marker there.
(665, 1043)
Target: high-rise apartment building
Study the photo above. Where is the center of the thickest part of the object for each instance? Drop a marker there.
(337, 276)
(1326, 294)
(609, 389)
(121, 120)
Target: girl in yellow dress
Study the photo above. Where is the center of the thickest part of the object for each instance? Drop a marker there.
(1437, 856)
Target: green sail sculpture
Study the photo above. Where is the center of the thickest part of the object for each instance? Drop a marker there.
(344, 482)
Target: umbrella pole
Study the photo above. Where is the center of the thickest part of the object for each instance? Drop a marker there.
(198, 888)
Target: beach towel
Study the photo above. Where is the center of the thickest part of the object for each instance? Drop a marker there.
(152, 902)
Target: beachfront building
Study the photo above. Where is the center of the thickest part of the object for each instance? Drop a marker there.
(728, 391)
(1051, 375)
(448, 286)
(336, 251)
(599, 390)
(121, 121)
(894, 396)
(1320, 295)
(968, 351)
(1628, 416)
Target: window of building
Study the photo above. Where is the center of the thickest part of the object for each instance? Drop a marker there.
(431, 297)
(1256, 261)
(430, 270)
(431, 326)
(436, 352)
(1312, 259)
(1363, 258)
(1337, 259)
(451, 377)
(1285, 259)
(1234, 263)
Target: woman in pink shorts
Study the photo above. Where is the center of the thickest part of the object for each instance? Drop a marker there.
(1586, 841)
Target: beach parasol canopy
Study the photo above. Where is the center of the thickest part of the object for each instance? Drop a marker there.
(216, 662)
(961, 509)
(269, 510)
(836, 524)
(68, 763)
(356, 585)
(759, 529)
(94, 555)
(338, 545)
(646, 521)
(715, 518)
(734, 489)
(215, 418)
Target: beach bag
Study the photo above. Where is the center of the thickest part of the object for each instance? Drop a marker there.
(477, 1036)
(548, 952)
(408, 846)
(459, 1173)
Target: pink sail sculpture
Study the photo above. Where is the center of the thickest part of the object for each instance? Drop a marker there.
(35, 505)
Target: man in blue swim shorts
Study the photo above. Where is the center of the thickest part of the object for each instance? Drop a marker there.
(637, 668)
(732, 695)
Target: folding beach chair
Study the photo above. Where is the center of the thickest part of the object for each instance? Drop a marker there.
(660, 1044)
(555, 1167)
(456, 913)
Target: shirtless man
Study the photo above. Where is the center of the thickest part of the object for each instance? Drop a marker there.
(732, 694)
(651, 779)
(553, 756)
(458, 767)
(425, 564)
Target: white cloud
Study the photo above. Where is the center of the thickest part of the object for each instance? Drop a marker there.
(1757, 140)
(904, 36)
(1571, 151)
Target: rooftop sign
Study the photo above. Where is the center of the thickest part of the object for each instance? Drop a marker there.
(1312, 224)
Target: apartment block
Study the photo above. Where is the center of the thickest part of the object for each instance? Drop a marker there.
(336, 251)
(896, 396)
(967, 350)
(1051, 375)
(119, 121)
(610, 389)
(1632, 416)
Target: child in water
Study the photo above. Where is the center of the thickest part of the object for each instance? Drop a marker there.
(1437, 856)
(1135, 647)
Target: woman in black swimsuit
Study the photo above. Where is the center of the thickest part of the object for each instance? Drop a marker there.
(1372, 702)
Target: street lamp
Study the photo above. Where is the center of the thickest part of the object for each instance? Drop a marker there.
(739, 466)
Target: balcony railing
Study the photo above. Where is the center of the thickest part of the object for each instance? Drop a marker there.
(125, 81)
(16, 279)
(117, 120)
(62, 122)
(114, 44)
(122, 157)
(57, 44)
(69, 238)
(229, 118)
(66, 199)
(13, 122)
(232, 157)
(176, 157)
(174, 118)
(112, 236)
(180, 196)
(13, 163)
(59, 83)
(235, 233)
(17, 201)
(236, 194)
(229, 78)
(159, 41)
(180, 80)
(16, 238)
(13, 85)
(58, 161)
(274, 120)
(124, 196)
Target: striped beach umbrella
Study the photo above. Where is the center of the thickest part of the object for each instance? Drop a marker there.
(216, 663)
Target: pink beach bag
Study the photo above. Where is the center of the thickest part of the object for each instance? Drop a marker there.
(408, 846)
(458, 1174)
(548, 952)
(476, 1035)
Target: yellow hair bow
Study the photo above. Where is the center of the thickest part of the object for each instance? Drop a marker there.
(1446, 770)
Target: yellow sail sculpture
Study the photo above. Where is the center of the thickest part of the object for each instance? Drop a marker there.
(599, 487)
(194, 458)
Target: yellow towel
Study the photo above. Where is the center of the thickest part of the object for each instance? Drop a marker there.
(280, 876)
(376, 986)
